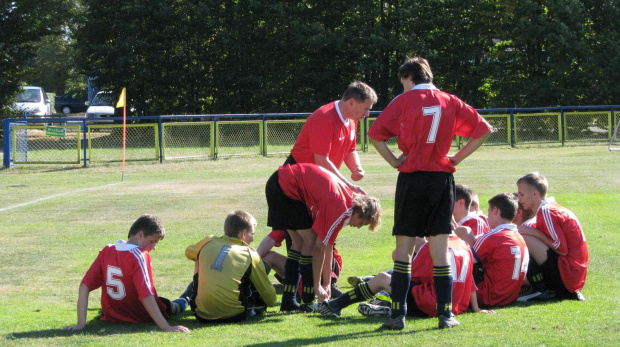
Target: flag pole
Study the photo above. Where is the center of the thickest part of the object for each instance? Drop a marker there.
(122, 103)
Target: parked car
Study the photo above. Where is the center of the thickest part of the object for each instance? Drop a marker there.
(101, 106)
(34, 102)
(72, 102)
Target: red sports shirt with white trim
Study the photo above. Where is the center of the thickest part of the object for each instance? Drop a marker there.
(326, 133)
(476, 223)
(328, 200)
(563, 227)
(461, 264)
(425, 120)
(124, 272)
(504, 256)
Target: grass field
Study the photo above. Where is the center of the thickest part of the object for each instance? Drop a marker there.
(53, 222)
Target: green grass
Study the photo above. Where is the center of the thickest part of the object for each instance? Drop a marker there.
(53, 222)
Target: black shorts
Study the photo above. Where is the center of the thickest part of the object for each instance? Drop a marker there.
(423, 204)
(290, 160)
(283, 212)
(551, 274)
(412, 307)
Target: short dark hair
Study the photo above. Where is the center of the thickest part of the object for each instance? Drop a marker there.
(238, 221)
(537, 181)
(465, 193)
(418, 69)
(149, 224)
(507, 205)
(360, 92)
(368, 207)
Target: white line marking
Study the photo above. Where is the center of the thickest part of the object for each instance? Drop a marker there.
(56, 196)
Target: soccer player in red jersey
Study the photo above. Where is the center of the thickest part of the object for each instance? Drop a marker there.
(421, 300)
(557, 245)
(123, 270)
(313, 205)
(502, 253)
(462, 214)
(425, 120)
(329, 136)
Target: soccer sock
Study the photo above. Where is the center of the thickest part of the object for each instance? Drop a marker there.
(178, 306)
(361, 292)
(400, 286)
(535, 277)
(443, 287)
(307, 278)
(291, 277)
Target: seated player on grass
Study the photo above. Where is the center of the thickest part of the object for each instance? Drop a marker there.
(421, 298)
(312, 205)
(462, 214)
(123, 270)
(475, 207)
(502, 254)
(230, 280)
(557, 245)
(274, 239)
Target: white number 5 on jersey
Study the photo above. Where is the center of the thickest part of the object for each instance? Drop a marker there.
(114, 286)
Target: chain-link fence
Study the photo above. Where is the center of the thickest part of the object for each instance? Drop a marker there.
(105, 142)
(180, 137)
(188, 140)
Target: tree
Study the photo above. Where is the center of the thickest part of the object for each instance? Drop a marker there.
(22, 24)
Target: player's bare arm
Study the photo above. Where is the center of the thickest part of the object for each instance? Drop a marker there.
(473, 303)
(324, 162)
(471, 146)
(150, 304)
(82, 308)
(387, 154)
(352, 161)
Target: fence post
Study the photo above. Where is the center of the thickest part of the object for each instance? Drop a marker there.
(84, 142)
(264, 135)
(562, 126)
(6, 142)
(215, 142)
(160, 128)
(513, 131)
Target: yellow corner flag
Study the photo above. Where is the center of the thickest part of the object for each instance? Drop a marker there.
(121, 100)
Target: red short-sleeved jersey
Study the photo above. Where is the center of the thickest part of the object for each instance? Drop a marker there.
(461, 262)
(124, 272)
(478, 225)
(326, 133)
(504, 256)
(565, 230)
(328, 200)
(425, 120)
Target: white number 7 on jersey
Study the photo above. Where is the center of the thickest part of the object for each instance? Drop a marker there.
(434, 111)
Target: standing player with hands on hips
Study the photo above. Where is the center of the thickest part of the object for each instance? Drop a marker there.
(425, 119)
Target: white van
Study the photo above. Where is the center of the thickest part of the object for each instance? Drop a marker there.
(34, 102)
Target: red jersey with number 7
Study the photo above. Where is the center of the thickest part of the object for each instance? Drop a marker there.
(124, 272)
(425, 119)
(461, 264)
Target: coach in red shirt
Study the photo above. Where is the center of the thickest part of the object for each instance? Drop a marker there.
(425, 120)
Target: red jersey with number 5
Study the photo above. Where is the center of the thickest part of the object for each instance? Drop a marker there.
(124, 272)
(461, 264)
(425, 120)
(504, 256)
(562, 226)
